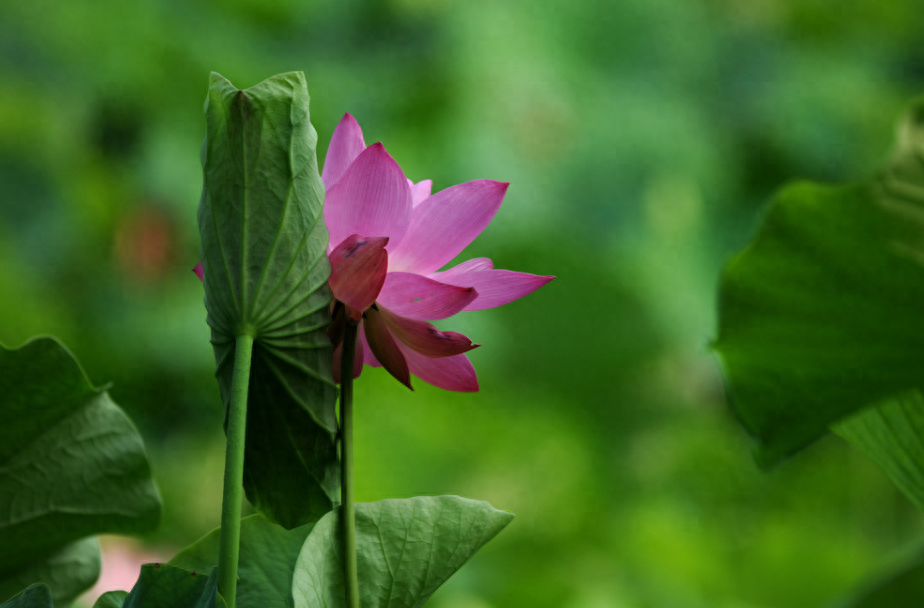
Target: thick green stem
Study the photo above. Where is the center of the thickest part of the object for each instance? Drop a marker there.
(230, 543)
(348, 514)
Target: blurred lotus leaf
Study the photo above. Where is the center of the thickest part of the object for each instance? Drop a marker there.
(74, 466)
(821, 315)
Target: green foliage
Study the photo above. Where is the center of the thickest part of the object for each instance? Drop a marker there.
(264, 257)
(891, 434)
(68, 571)
(405, 550)
(670, 120)
(111, 599)
(899, 589)
(36, 596)
(821, 315)
(74, 466)
(267, 561)
(162, 586)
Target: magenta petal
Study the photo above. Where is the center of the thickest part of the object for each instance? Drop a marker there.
(358, 267)
(425, 338)
(417, 297)
(444, 224)
(199, 272)
(384, 347)
(451, 373)
(371, 198)
(420, 191)
(494, 287)
(345, 145)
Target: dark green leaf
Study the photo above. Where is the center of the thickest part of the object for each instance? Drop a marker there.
(291, 468)
(111, 599)
(267, 561)
(264, 257)
(891, 434)
(73, 466)
(68, 571)
(165, 586)
(899, 589)
(405, 549)
(36, 596)
(821, 315)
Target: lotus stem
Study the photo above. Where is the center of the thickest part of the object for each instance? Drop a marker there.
(348, 513)
(230, 543)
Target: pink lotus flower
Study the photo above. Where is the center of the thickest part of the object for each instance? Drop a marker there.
(392, 238)
(389, 238)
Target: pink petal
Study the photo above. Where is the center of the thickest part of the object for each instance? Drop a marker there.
(444, 224)
(358, 268)
(199, 272)
(425, 338)
(371, 198)
(384, 347)
(357, 359)
(494, 287)
(451, 373)
(345, 145)
(465, 267)
(420, 191)
(417, 297)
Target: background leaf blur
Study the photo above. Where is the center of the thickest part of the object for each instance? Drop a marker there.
(35, 596)
(73, 466)
(641, 139)
(820, 315)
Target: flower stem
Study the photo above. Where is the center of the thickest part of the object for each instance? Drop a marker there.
(230, 542)
(348, 514)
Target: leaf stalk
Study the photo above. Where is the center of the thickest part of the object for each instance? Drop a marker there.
(230, 542)
(348, 512)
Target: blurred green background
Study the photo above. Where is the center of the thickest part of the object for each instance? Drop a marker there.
(642, 139)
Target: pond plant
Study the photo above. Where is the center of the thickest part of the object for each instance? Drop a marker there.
(308, 277)
(311, 275)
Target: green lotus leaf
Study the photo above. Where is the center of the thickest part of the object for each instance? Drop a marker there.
(111, 599)
(73, 466)
(163, 586)
(820, 316)
(68, 571)
(891, 434)
(405, 550)
(265, 266)
(267, 561)
(36, 596)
